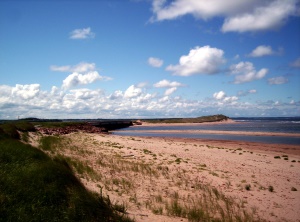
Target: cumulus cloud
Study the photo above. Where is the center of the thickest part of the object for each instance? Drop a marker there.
(240, 16)
(116, 95)
(261, 50)
(264, 50)
(296, 63)
(132, 91)
(84, 33)
(172, 86)
(166, 84)
(278, 80)
(246, 72)
(200, 60)
(221, 96)
(26, 91)
(155, 62)
(81, 67)
(76, 79)
(262, 17)
(85, 94)
(138, 103)
(169, 91)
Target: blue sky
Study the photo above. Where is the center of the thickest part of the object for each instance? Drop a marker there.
(149, 58)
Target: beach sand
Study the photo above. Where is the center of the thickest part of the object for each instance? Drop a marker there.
(162, 179)
(151, 175)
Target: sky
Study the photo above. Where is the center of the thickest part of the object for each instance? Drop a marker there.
(149, 58)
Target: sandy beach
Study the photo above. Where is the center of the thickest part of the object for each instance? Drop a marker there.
(162, 179)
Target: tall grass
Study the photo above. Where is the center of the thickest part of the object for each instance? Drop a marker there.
(35, 187)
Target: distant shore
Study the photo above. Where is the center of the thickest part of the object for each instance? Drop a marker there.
(227, 121)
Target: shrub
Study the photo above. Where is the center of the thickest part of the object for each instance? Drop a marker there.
(10, 130)
(293, 189)
(247, 186)
(271, 188)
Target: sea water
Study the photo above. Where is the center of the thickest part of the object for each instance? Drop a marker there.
(271, 124)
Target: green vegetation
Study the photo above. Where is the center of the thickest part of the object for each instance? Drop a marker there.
(203, 119)
(271, 188)
(36, 187)
(293, 189)
(247, 186)
(11, 129)
(58, 124)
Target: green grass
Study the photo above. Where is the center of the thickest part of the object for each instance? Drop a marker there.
(202, 119)
(35, 187)
(50, 143)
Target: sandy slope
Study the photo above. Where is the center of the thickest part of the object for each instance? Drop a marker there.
(171, 167)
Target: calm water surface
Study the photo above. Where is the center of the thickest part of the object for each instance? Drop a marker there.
(281, 125)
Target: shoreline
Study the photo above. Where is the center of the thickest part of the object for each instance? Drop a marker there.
(228, 121)
(230, 144)
(222, 132)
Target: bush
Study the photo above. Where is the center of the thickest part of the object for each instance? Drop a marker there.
(271, 188)
(10, 130)
(247, 186)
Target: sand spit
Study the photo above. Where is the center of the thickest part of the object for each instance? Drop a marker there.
(161, 179)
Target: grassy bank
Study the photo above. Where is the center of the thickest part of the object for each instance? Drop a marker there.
(202, 119)
(36, 187)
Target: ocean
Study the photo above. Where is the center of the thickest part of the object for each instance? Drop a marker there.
(254, 124)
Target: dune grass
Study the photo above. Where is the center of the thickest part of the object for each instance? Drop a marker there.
(36, 187)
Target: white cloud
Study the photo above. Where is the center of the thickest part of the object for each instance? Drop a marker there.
(296, 63)
(76, 79)
(166, 84)
(26, 91)
(84, 33)
(240, 16)
(230, 99)
(116, 95)
(172, 86)
(198, 8)
(155, 62)
(132, 91)
(169, 91)
(85, 94)
(200, 60)
(278, 80)
(138, 103)
(219, 95)
(262, 50)
(262, 17)
(246, 72)
(81, 67)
